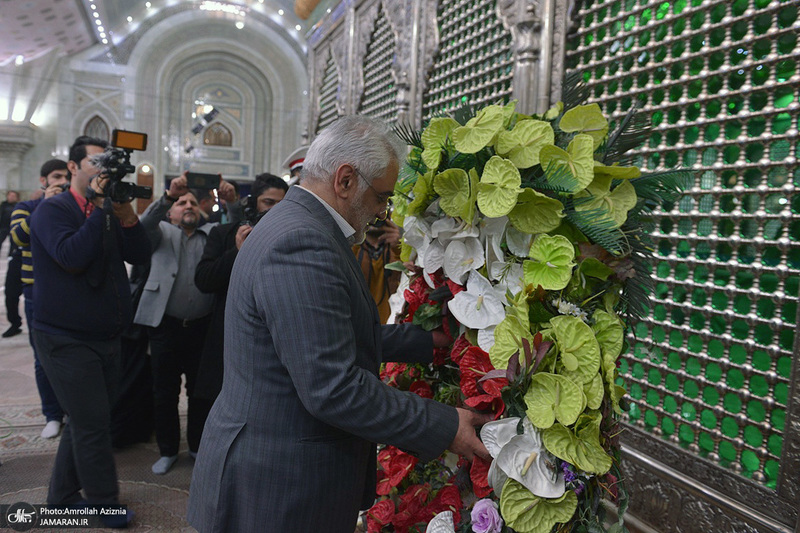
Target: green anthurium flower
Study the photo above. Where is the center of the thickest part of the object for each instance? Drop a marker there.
(508, 337)
(553, 261)
(522, 144)
(594, 392)
(536, 212)
(593, 267)
(457, 191)
(552, 397)
(615, 171)
(499, 187)
(577, 161)
(579, 351)
(610, 335)
(423, 194)
(554, 111)
(616, 203)
(433, 139)
(586, 119)
(526, 513)
(480, 130)
(580, 447)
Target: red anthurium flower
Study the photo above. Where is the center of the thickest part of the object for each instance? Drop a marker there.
(410, 506)
(474, 365)
(447, 499)
(459, 348)
(391, 371)
(397, 464)
(455, 288)
(479, 474)
(487, 403)
(415, 295)
(382, 487)
(379, 515)
(422, 388)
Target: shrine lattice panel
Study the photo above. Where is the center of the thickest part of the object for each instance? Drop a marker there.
(380, 93)
(327, 95)
(709, 369)
(474, 64)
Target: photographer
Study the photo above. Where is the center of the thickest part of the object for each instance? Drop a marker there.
(381, 246)
(214, 272)
(81, 302)
(177, 314)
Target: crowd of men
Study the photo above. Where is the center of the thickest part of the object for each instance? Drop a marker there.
(284, 399)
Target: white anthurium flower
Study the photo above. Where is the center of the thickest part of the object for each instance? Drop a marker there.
(486, 339)
(416, 234)
(432, 260)
(519, 243)
(511, 279)
(461, 256)
(522, 458)
(479, 306)
(493, 230)
(441, 523)
(449, 229)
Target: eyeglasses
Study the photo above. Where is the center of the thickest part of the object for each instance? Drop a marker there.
(382, 197)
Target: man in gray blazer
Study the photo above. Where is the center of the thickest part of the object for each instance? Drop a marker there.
(290, 442)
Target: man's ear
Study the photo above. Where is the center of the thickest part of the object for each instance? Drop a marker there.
(43, 181)
(344, 181)
(72, 167)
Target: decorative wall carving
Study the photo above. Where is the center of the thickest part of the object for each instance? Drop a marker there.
(523, 18)
(366, 27)
(401, 19)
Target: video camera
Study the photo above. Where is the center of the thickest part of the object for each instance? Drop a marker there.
(115, 163)
(250, 208)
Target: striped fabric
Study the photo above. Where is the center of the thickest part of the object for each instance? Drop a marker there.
(21, 235)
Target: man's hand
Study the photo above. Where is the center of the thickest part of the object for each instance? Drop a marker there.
(125, 214)
(241, 235)
(391, 234)
(53, 190)
(441, 339)
(98, 185)
(226, 191)
(466, 442)
(178, 186)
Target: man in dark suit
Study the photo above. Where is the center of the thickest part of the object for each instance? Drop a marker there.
(290, 442)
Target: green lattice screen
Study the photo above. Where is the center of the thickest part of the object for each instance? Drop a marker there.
(380, 94)
(474, 64)
(327, 94)
(710, 368)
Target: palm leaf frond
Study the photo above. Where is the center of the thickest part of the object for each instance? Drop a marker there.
(574, 91)
(662, 187)
(560, 178)
(636, 292)
(598, 225)
(408, 134)
(632, 132)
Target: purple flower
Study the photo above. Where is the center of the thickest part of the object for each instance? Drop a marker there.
(486, 517)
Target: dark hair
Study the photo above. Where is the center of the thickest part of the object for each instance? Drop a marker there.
(78, 149)
(50, 166)
(267, 181)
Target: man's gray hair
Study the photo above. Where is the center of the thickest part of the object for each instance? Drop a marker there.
(366, 143)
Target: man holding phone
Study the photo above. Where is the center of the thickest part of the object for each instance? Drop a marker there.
(381, 246)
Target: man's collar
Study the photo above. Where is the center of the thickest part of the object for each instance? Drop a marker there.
(344, 226)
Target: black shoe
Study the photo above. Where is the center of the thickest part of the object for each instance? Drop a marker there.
(10, 332)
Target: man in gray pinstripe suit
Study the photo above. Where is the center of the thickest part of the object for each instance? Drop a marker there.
(290, 443)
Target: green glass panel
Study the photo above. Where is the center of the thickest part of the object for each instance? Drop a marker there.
(630, 22)
(753, 436)
(644, 38)
(695, 88)
(678, 6)
(754, 152)
(696, 65)
(713, 373)
(732, 403)
(719, 301)
(696, 321)
(759, 386)
(715, 61)
(792, 285)
(725, 228)
(738, 30)
(673, 385)
(636, 391)
(659, 312)
(638, 371)
(645, 17)
(721, 277)
(741, 304)
(737, 56)
(735, 378)
(738, 7)
(706, 443)
(691, 389)
(768, 282)
(615, 8)
(652, 398)
(711, 132)
(771, 470)
(740, 329)
(777, 419)
(691, 134)
(729, 427)
(758, 100)
(710, 395)
(663, 269)
(657, 118)
(713, 108)
(772, 257)
(787, 16)
(661, 33)
(667, 426)
(688, 412)
(716, 349)
(634, 413)
(736, 80)
(698, 19)
(731, 154)
(786, 43)
(752, 179)
(763, 334)
(761, 48)
(762, 23)
(708, 419)
(756, 126)
(733, 129)
(781, 393)
(775, 444)
(783, 97)
(727, 451)
(686, 434)
(650, 419)
(750, 462)
(779, 150)
(761, 4)
(765, 308)
(756, 411)
(760, 75)
(789, 312)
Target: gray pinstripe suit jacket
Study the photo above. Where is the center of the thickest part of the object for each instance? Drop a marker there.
(290, 443)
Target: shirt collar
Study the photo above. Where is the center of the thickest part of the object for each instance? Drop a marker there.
(347, 229)
(82, 202)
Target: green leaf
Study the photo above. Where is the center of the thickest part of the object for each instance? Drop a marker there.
(580, 447)
(553, 112)
(457, 194)
(551, 397)
(526, 513)
(578, 160)
(423, 194)
(553, 261)
(610, 336)
(498, 188)
(428, 316)
(480, 131)
(591, 266)
(508, 337)
(579, 351)
(616, 172)
(594, 392)
(397, 266)
(587, 119)
(522, 144)
(433, 139)
(599, 197)
(536, 212)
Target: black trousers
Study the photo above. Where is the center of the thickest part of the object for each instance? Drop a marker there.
(175, 349)
(13, 288)
(84, 375)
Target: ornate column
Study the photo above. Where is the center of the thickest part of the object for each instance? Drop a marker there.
(15, 141)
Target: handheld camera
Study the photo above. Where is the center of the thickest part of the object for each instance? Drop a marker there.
(115, 163)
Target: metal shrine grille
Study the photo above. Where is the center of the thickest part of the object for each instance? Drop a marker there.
(474, 64)
(380, 94)
(710, 367)
(327, 94)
